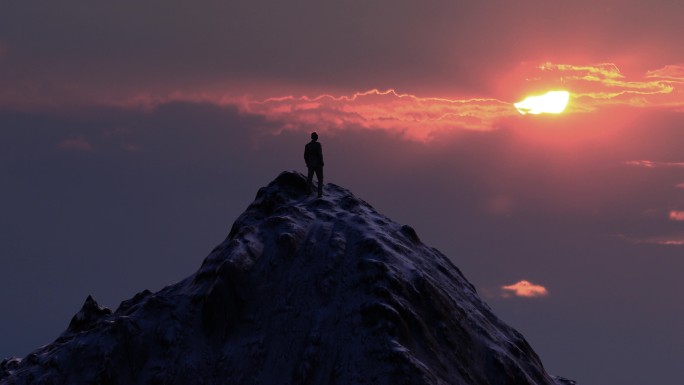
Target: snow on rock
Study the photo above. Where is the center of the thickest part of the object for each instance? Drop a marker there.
(302, 291)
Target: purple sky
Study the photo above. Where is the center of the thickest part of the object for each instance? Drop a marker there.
(133, 134)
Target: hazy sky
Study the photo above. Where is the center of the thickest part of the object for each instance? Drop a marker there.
(133, 133)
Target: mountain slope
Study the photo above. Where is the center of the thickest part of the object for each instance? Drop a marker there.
(302, 291)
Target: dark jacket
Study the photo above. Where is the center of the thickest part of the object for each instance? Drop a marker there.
(313, 154)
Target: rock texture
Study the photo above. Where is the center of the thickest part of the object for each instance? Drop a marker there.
(302, 291)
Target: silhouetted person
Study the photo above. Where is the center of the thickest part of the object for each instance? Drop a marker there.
(313, 156)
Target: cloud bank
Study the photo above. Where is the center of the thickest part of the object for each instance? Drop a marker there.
(412, 116)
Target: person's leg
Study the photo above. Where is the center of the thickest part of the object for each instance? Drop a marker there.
(309, 180)
(319, 176)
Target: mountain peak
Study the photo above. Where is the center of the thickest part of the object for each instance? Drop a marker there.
(87, 317)
(303, 290)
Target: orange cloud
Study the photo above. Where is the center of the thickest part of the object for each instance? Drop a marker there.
(674, 72)
(410, 115)
(524, 289)
(677, 215)
(76, 144)
(603, 84)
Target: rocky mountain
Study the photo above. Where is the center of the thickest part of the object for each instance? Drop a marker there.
(302, 291)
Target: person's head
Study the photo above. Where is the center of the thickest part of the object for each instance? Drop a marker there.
(314, 136)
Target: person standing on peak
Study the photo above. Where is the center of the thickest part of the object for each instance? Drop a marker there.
(313, 156)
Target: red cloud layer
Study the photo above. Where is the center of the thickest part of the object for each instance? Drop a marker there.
(415, 117)
(591, 86)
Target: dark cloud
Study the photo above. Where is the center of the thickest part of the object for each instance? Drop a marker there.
(81, 49)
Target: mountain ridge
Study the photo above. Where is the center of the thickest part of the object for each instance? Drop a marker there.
(303, 291)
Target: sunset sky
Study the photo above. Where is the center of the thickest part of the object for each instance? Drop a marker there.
(133, 133)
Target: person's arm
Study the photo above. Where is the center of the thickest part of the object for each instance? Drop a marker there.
(320, 149)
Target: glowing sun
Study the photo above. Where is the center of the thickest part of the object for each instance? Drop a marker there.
(552, 102)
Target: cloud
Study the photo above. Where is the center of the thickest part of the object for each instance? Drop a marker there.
(524, 289)
(680, 185)
(674, 72)
(422, 117)
(677, 215)
(603, 84)
(412, 116)
(664, 240)
(655, 164)
(670, 242)
(76, 144)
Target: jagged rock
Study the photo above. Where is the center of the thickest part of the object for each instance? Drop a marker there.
(87, 317)
(302, 291)
(7, 366)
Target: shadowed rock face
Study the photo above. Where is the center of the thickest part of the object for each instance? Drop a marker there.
(302, 291)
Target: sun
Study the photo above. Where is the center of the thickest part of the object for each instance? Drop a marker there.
(552, 102)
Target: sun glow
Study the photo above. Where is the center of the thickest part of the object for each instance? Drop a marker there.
(552, 102)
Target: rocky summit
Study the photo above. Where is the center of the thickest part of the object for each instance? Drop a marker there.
(304, 290)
